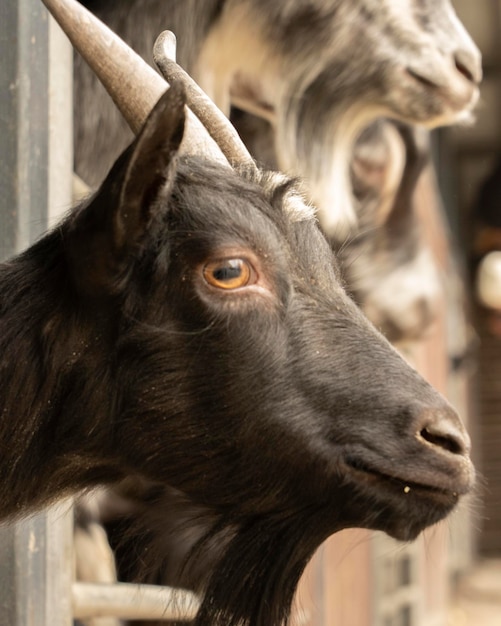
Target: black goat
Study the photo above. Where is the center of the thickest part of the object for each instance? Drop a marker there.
(186, 325)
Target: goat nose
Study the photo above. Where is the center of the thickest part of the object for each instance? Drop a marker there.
(469, 65)
(443, 430)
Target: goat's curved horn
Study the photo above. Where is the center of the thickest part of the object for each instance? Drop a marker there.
(134, 86)
(216, 123)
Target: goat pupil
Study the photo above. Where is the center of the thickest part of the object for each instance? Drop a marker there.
(229, 271)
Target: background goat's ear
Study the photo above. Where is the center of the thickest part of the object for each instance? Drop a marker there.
(151, 168)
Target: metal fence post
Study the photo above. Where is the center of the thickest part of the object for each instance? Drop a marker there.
(35, 554)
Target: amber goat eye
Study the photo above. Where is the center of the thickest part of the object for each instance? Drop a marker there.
(228, 273)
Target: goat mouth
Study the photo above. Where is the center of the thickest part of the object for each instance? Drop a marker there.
(462, 95)
(369, 475)
(423, 80)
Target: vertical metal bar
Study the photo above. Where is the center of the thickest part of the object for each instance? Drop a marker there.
(59, 565)
(8, 127)
(35, 554)
(23, 122)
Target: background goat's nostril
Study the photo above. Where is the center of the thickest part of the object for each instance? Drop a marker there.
(442, 438)
(467, 66)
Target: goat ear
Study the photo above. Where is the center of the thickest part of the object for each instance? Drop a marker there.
(150, 169)
(102, 237)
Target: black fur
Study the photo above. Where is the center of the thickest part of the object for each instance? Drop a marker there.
(275, 409)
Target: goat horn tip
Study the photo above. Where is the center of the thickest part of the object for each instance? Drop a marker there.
(165, 46)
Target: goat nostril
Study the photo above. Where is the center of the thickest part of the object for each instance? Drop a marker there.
(443, 430)
(445, 441)
(468, 67)
(464, 71)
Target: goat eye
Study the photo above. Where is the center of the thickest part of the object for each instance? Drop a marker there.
(228, 273)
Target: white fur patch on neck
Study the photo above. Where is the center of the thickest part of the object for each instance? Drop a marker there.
(401, 295)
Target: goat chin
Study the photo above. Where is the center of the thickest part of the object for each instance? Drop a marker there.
(249, 569)
(182, 544)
